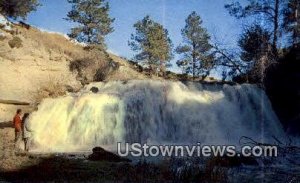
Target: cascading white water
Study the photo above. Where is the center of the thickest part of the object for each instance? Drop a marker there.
(158, 112)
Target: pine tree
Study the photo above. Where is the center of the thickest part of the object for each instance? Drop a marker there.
(270, 10)
(291, 21)
(17, 8)
(196, 55)
(254, 43)
(152, 42)
(94, 23)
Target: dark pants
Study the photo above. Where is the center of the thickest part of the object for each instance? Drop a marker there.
(27, 143)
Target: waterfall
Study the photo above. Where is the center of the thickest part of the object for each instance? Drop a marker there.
(157, 112)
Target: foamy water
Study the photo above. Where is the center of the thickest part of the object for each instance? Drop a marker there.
(157, 112)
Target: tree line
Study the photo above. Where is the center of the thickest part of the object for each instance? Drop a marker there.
(198, 54)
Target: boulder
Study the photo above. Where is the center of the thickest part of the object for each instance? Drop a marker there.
(94, 89)
(100, 154)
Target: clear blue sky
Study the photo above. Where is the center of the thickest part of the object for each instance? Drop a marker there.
(170, 13)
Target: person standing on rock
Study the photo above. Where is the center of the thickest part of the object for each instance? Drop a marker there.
(18, 127)
(25, 132)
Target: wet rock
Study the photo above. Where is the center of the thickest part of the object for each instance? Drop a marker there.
(94, 89)
(100, 154)
(70, 88)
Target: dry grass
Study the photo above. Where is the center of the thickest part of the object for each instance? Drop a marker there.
(46, 54)
(97, 61)
(51, 88)
(51, 42)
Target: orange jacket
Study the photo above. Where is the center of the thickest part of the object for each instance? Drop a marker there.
(17, 123)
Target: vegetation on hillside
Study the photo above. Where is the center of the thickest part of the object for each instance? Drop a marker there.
(16, 42)
(198, 54)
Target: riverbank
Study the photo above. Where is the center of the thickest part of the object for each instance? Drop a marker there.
(18, 166)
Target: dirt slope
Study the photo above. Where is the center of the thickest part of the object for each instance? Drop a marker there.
(40, 66)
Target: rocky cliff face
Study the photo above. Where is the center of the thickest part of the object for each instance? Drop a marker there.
(31, 62)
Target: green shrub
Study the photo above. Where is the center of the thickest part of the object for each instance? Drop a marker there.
(16, 42)
(81, 64)
(94, 67)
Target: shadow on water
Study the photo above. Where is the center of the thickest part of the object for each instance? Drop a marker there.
(210, 113)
